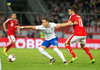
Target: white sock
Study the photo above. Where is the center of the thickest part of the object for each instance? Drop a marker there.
(60, 54)
(45, 53)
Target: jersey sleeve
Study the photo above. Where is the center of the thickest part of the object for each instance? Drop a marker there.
(76, 18)
(53, 24)
(7, 21)
(71, 19)
(39, 27)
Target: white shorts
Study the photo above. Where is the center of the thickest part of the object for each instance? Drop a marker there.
(74, 39)
(11, 38)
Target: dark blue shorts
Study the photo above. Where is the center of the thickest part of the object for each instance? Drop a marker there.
(53, 42)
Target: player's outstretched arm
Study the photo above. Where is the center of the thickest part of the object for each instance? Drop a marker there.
(66, 24)
(33, 27)
(63, 24)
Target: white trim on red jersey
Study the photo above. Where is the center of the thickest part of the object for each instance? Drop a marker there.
(8, 20)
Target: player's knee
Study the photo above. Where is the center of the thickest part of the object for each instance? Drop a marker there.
(57, 50)
(40, 49)
(82, 46)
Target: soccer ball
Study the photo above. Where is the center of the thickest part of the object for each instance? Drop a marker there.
(11, 58)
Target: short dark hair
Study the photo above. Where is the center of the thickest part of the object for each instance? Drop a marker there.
(46, 18)
(74, 8)
(13, 13)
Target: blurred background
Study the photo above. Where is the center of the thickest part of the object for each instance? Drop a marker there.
(30, 12)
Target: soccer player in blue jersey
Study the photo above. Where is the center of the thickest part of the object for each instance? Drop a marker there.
(50, 38)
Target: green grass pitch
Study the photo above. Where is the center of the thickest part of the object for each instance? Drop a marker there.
(31, 59)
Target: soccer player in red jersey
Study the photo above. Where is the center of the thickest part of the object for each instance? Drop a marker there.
(79, 33)
(11, 23)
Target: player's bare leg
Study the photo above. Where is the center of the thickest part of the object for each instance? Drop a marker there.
(88, 53)
(60, 54)
(42, 51)
(68, 47)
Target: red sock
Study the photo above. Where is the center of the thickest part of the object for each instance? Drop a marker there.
(9, 46)
(88, 52)
(70, 51)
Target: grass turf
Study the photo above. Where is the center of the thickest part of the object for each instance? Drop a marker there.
(31, 59)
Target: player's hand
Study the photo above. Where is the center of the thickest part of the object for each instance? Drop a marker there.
(6, 30)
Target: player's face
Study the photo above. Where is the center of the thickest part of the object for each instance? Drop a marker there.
(45, 23)
(69, 12)
(13, 16)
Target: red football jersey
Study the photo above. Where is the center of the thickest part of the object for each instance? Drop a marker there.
(11, 26)
(79, 29)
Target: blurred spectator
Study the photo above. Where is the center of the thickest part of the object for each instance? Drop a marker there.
(93, 4)
(85, 22)
(42, 35)
(31, 33)
(98, 23)
(94, 22)
(89, 36)
(92, 12)
(75, 3)
(2, 18)
(56, 19)
(98, 6)
(4, 33)
(56, 9)
(80, 5)
(88, 20)
(50, 5)
(37, 20)
(66, 6)
(86, 6)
